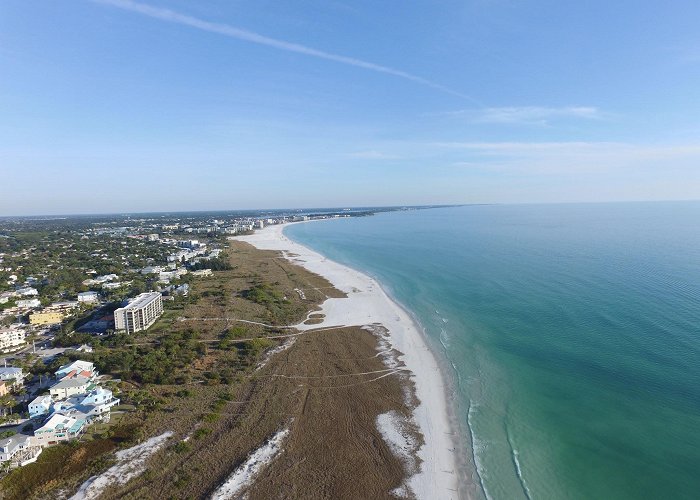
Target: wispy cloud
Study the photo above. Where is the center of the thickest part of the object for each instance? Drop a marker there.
(568, 157)
(252, 37)
(528, 115)
(374, 155)
(509, 148)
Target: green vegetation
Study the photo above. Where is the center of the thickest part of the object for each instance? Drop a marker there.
(220, 263)
(65, 460)
(264, 294)
(181, 447)
(189, 373)
(201, 432)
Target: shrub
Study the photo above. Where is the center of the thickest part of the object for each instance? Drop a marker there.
(181, 447)
(201, 432)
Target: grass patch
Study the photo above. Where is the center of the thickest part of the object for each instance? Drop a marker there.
(57, 463)
(201, 432)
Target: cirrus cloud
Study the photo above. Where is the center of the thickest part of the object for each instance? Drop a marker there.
(528, 115)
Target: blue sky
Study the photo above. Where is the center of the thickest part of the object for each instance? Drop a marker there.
(118, 105)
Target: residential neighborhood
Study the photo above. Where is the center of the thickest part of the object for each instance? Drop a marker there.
(79, 302)
(74, 401)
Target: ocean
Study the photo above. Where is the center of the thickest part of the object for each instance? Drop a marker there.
(570, 333)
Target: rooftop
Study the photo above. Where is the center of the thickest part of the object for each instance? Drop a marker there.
(10, 370)
(71, 382)
(141, 300)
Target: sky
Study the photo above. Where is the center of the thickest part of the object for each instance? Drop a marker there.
(161, 105)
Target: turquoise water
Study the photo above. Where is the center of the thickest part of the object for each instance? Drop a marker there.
(573, 330)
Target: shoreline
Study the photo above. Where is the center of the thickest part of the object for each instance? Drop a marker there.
(369, 304)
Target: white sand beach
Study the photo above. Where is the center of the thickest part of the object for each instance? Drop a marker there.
(368, 304)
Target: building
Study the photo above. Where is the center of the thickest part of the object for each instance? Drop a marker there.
(11, 339)
(40, 406)
(58, 428)
(4, 389)
(97, 396)
(202, 272)
(28, 292)
(28, 303)
(94, 405)
(78, 368)
(46, 317)
(151, 270)
(112, 286)
(88, 297)
(70, 387)
(13, 375)
(97, 403)
(19, 450)
(66, 306)
(192, 244)
(140, 314)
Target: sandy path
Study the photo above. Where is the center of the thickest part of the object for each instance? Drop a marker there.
(368, 304)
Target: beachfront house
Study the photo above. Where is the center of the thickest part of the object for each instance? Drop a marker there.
(94, 405)
(202, 272)
(98, 396)
(78, 368)
(70, 387)
(40, 406)
(58, 428)
(18, 450)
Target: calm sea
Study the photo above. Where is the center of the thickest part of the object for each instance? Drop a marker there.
(573, 333)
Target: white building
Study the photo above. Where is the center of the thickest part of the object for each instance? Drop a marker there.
(100, 280)
(28, 303)
(77, 368)
(40, 406)
(112, 286)
(88, 297)
(97, 402)
(28, 292)
(202, 272)
(8, 373)
(70, 387)
(58, 428)
(151, 270)
(192, 244)
(11, 339)
(65, 306)
(140, 314)
(19, 450)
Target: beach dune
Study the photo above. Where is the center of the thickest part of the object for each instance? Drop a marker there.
(367, 304)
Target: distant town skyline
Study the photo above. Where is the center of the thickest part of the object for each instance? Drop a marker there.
(118, 106)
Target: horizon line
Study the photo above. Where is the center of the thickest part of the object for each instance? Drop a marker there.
(341, 207)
